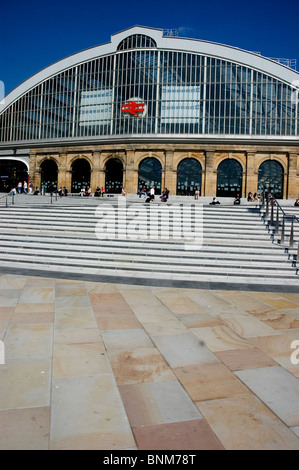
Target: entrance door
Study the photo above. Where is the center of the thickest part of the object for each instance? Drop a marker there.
(49, 171)
(80, 175)
(271, 178)
(150, 174)
(229, 178)
(188, 177)
(114, 176)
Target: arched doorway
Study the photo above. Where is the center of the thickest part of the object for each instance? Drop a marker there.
(11, 173)
(114, 176)
(189, 174)
(80, 175)
(150, 174)
(271, 177)
(229, 178)
(49, 171)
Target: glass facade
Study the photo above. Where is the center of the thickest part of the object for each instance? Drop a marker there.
(229, 178)
(189, 175)
(270, 177)
(142, 90)
(150, 174)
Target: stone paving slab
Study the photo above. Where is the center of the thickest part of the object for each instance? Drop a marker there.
(116, 366)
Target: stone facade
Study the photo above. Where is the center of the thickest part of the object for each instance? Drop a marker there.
(170, 155)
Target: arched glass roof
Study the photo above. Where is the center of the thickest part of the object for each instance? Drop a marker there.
(144, 84)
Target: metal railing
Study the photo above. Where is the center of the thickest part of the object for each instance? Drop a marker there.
(7, 196)
(281, 227)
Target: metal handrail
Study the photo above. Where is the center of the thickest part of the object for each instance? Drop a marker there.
(6, 195)
(274, 203)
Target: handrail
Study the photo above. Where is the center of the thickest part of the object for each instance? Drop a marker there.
(275, 232)
(8, 194)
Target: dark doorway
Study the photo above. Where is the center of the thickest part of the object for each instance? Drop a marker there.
(229, 178)
(150, 174)
(188, 177)
(114, 176)
(271, 178)
(49, 172)
(80, 175)
(11, 173)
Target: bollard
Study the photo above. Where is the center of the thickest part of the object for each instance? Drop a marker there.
(6, 203)
(282, 231)
(291, 243)
(277, 221)
(272, 215)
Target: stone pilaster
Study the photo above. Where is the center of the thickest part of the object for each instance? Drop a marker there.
(131, 173)
(293, 183)
(251, 176)
(170, 174)
(210, 174)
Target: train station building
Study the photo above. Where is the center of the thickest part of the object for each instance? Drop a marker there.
(151, 109)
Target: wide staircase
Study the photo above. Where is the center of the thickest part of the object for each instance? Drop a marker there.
(114, 240)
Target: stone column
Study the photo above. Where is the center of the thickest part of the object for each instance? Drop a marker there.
(170, 173)
(95, 175)
(130, 173)
(210, 174)
(61, 177)
(252, 175)
(68, 180)
(292, 187)
(62, 169)
(34, 172)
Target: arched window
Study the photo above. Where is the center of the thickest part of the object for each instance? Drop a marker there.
(150, 174)
(270, 177)
(114, 176)
(80, 175)
(136, 41)
(229, 178)
(188, 176)
(49, 171)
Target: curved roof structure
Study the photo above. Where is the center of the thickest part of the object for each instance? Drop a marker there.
(164, 80)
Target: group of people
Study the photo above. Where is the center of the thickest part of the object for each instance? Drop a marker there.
(99, 192)
(237, 201)
(252, 197)
(149, 194)
(24, 188)
(62, 191)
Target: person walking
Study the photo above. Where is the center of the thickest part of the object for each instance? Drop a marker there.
(152, 193)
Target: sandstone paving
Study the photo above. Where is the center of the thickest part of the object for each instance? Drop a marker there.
(106, 366)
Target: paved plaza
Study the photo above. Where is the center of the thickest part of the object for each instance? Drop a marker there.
(93, 366)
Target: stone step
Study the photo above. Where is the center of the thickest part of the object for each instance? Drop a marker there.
(117, 265)
(151, 246)
(150, 250)
(236, 248)
(206, 259)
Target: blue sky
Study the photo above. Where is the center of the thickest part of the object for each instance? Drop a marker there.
(34, 34)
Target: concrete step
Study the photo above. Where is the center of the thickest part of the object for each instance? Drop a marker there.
(236, 248)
